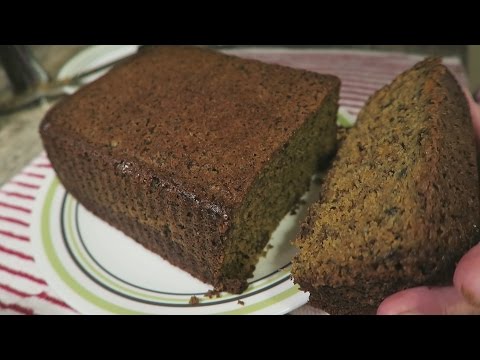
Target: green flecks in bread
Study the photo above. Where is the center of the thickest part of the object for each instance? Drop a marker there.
(400, 205)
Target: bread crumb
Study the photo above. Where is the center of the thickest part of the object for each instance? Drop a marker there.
(194, 300)
(211, 293)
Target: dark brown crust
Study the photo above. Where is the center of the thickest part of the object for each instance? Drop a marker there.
(399, 207)
(167, 146)
(337, 301)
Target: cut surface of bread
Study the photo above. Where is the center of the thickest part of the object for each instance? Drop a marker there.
(400, 203)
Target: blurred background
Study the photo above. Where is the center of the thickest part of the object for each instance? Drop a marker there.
(19, 141)
(52, 57)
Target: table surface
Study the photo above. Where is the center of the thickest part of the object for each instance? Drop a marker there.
(19, 139)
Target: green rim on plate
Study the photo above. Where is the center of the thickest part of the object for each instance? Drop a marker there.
(94, 299)
(86, 262)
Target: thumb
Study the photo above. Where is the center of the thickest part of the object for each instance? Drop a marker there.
(462, 298)
(467, 276)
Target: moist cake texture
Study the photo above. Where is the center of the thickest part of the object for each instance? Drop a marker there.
(400, 204)
(194, 154)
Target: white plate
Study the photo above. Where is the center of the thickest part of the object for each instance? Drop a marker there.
(98, 270)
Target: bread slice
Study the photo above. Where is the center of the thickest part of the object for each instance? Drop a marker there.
(195, 154)
(400, 205)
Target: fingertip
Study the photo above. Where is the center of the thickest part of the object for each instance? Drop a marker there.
(423, 301)
(405, 301)
(467, 276)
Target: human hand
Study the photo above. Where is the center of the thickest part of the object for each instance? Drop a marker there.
(461, 298)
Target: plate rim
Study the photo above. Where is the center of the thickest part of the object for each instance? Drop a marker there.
(64, 283)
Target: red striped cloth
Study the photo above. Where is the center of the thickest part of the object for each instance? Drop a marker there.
(22, 289)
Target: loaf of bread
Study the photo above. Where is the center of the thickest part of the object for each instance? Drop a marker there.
(400, 204)
(194, 154)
